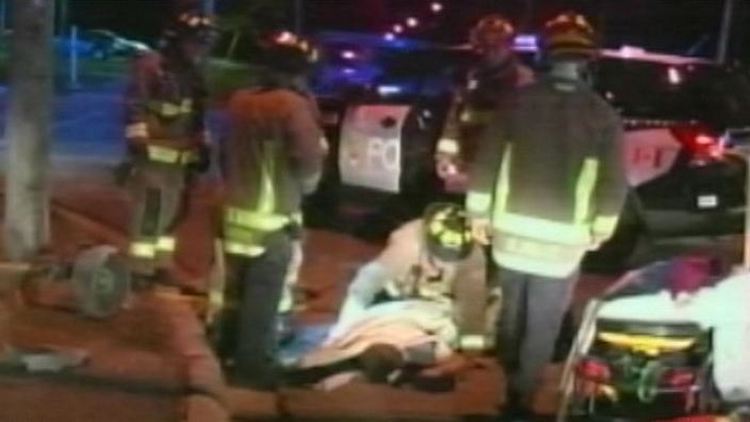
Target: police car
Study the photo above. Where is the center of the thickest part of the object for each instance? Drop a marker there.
(683, 118)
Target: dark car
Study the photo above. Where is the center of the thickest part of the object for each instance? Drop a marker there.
(682, 116)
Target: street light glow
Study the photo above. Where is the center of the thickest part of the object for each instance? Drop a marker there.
(348, 55)
(389, 36)
(412, 22)
(436, 7)
(397, 28)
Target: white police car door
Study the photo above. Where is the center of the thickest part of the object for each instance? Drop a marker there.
(370, 146)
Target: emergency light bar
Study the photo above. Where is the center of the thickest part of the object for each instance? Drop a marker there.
(386, 90)
(526, 42)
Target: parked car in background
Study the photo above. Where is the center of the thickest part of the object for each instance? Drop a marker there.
(105, 44)
(385, 104)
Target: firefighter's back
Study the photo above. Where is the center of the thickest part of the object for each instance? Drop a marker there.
(261, 129)
(554, 127)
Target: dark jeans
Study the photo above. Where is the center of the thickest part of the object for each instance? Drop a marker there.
(533, 308)
(260, 283)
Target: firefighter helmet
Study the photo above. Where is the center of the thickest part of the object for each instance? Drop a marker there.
(191, 25)
(448, 233)
(569, 35)
(490, 32)
(289, 53)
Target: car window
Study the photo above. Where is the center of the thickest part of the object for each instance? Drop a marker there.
(702, 92)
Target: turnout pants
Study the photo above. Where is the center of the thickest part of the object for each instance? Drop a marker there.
(158, 190)
(531, 315)
(251, 334)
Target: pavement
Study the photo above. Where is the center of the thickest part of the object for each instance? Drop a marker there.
(151, 362)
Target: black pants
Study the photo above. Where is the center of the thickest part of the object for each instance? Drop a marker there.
(533, 308)
(260, 284)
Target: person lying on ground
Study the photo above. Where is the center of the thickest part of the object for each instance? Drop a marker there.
(411, 307)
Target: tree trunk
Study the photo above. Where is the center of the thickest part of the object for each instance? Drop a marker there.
(26, 227)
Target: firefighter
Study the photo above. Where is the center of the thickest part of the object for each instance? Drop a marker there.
(273, 158)
(431, 258)
(166, 137)
(420, 300)
(498, 72)
(547, 187)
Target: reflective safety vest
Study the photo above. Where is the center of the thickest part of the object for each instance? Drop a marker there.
(536, 245)
(246, 229)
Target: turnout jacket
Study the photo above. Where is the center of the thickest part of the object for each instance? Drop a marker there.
(549, 176)
(273, 157)
(165, 108)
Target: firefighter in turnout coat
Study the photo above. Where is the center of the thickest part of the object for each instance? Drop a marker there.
(547, 187)
(273, 157)
(497, 73)
(166, 137)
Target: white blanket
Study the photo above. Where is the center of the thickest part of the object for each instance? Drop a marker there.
(723, 308)
(402, 324)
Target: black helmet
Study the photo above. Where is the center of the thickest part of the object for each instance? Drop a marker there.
(191, 25)
(288, 53)
(447, 232)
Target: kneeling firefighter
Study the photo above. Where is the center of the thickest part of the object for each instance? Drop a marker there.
(273, 157)
(422, 299)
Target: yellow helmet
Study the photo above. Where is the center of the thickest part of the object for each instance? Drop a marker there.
(447, 232)
(569, 35)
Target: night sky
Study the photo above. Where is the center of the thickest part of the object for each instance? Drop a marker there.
(665, 25)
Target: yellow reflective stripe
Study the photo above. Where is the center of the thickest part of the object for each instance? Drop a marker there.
(539, 249)
(537, 266)
(170, 155)
(235, 248)
(267, 200)
(168, 109)
(256, 220)
(162, 154)
(473, 342)
(136, 130)
(216, 298)
(503, 184)
(287, 301)
(647, 344)
(584, 190)
(448, 146)
(605, 225)
(542, 229)
(166, 244)
(143, 250)
(473, 116)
